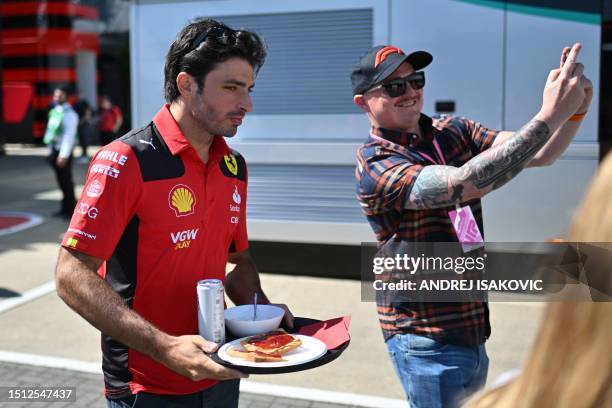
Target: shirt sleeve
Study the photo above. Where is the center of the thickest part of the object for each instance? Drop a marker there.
(240, 241)
(384, 179)
(478, 136)
(69, 129)
(108, 202)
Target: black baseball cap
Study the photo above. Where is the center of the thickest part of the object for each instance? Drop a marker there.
(382, 61)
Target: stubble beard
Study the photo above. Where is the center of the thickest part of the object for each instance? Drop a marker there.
(206, 118)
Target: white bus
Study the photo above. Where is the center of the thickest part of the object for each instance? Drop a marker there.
(491, 60)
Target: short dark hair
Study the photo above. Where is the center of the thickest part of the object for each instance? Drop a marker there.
(217, 43)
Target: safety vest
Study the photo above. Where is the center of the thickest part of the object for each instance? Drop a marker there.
(54, 124)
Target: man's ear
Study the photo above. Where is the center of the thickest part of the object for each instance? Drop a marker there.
(186, 85)
(360, 101)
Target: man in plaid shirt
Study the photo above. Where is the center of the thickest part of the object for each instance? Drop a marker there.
(413, 170)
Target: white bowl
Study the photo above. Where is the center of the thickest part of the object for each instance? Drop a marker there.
(239, 319)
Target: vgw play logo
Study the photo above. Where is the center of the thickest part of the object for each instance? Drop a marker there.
(182, 239)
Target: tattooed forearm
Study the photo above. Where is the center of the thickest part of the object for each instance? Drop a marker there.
(495, 167)
(441, 186)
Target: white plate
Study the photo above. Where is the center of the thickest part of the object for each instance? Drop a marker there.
(309, 350)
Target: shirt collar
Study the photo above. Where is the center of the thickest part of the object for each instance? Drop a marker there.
(175, 139)
(407, 138)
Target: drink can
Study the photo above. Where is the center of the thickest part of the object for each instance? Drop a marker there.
(211, 322)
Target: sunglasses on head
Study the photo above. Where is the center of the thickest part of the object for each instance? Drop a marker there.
(222, 35)
(397, 87)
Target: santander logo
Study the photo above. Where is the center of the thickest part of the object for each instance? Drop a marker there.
(236, 196)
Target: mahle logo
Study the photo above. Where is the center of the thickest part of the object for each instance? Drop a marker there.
(182, 239)
(182, 200)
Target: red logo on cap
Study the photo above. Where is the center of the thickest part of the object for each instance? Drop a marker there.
(383, 53)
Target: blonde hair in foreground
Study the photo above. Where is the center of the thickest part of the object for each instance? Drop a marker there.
(570, 364)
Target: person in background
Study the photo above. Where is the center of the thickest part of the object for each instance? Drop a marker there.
(110, 120)
(60, 136)
(570, 364)
(83, 109)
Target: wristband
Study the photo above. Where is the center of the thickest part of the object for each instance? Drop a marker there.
(577, 117)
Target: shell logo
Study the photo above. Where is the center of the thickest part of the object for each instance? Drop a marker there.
(182, 200)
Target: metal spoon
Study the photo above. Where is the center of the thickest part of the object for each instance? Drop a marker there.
(255, 306)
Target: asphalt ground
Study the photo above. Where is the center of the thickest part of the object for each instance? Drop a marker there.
(43, 326)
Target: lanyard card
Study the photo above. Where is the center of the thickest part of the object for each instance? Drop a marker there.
(466, 228)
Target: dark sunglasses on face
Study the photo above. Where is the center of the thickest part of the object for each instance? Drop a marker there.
(222, 35)
(397, 87)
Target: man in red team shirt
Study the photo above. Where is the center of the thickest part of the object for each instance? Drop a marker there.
(164, 207)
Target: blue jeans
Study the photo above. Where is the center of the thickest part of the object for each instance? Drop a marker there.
(434, 374)
(222, 395)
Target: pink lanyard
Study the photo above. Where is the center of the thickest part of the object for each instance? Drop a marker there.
(438, 150)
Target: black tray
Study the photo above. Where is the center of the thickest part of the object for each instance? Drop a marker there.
(298, 322)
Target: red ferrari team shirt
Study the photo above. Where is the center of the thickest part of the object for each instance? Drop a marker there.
(162, 220)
